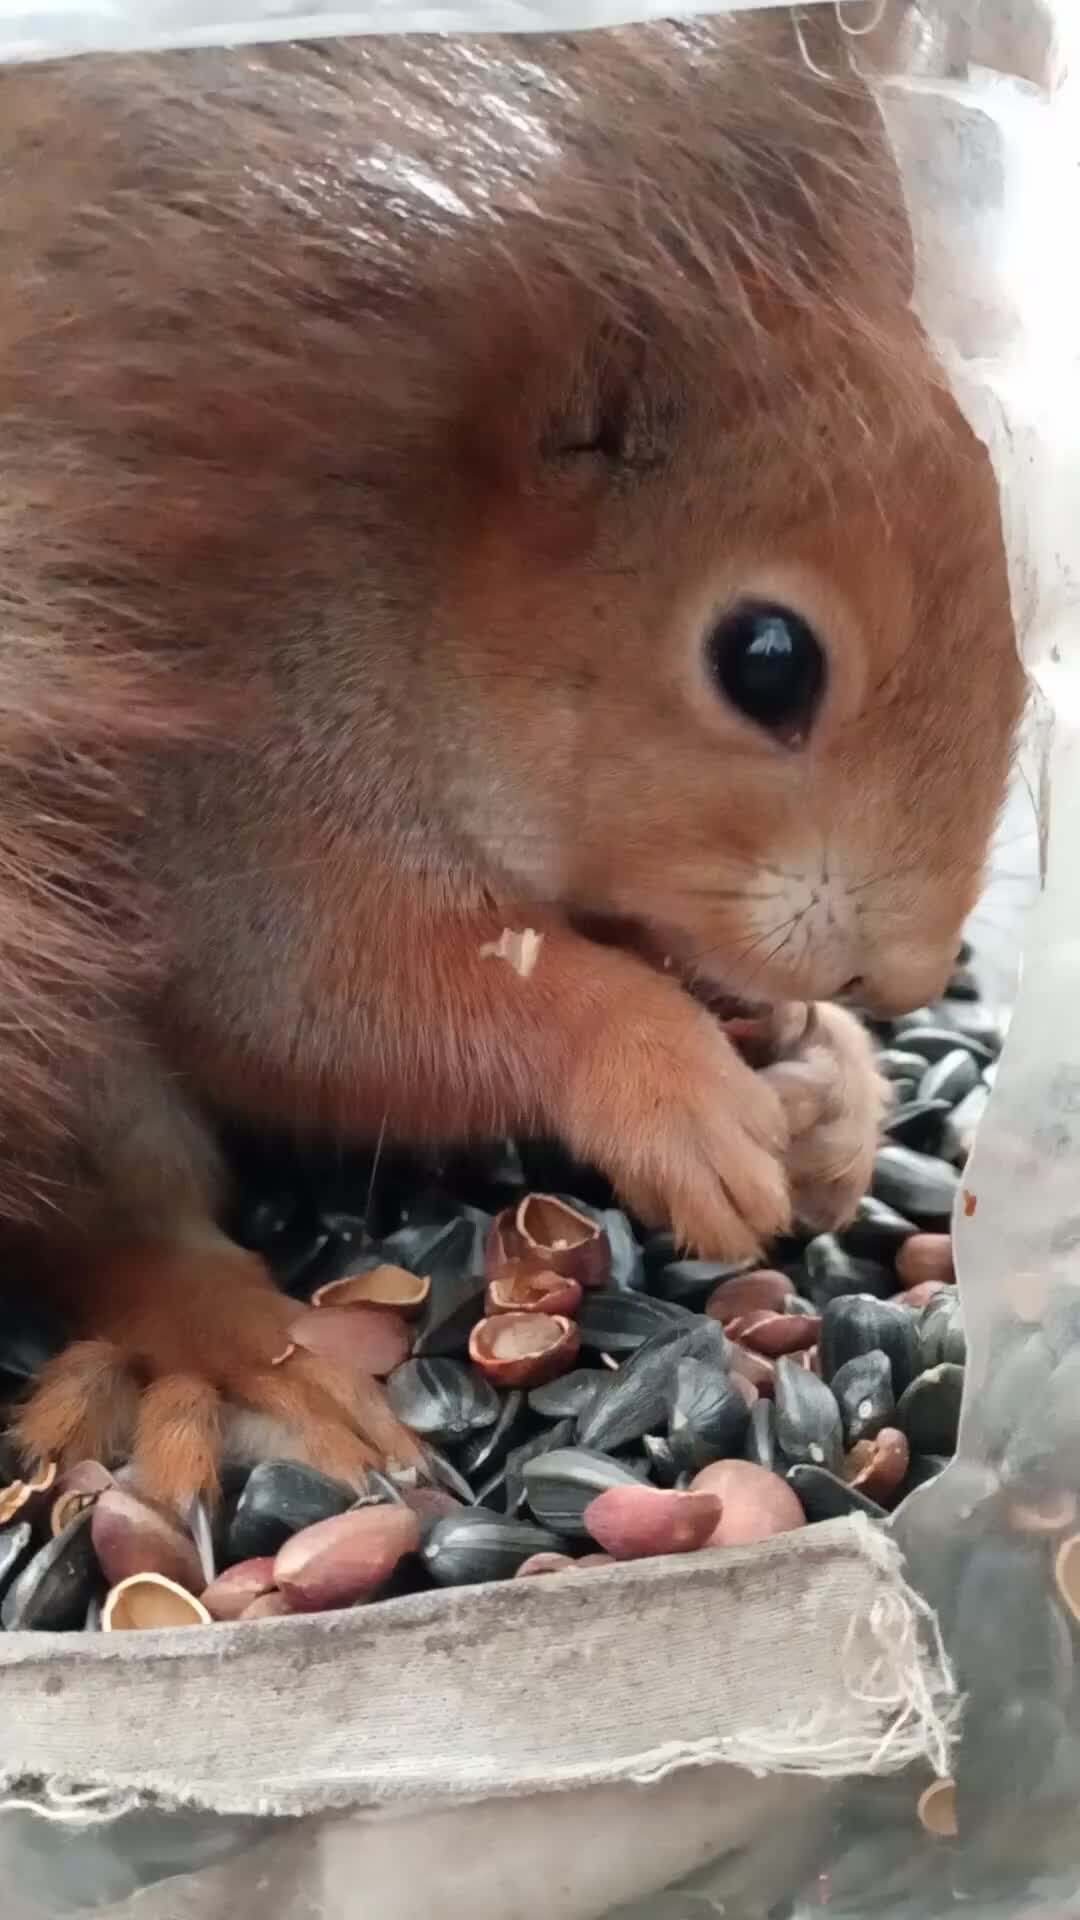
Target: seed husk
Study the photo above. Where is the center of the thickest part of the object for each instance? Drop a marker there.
(1067, 1574)
(936, 1808)
(523, 1349)
(76, 1490)
(544, 1234)
(24, 1497)
(879, 1466)
(524, 1292)
(148, 1601)
(382, 1286)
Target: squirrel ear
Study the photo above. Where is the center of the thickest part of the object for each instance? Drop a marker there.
(552, 377)
(591, 413)
(608, 404)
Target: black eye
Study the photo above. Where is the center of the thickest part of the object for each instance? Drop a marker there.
(767, 661)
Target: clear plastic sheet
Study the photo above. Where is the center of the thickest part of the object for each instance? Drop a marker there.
(988, 135)
(41, 32)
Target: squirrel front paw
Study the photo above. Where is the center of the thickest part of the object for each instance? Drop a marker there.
(833, 1099)
(177, 1339)
(690, 1136)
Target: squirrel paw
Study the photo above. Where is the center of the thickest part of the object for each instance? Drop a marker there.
(689, 1134)
(185, 1336)
(834, 1100)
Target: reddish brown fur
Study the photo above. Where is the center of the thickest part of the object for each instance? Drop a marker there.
(326, 656)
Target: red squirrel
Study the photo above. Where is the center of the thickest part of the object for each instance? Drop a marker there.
(454, 487)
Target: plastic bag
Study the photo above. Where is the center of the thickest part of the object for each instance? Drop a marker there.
(991, 1542)
(990, 168)
(42, 32)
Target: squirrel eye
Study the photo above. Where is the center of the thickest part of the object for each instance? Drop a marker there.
(769, 664)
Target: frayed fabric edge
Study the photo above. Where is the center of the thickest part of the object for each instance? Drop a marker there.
(894, 1665)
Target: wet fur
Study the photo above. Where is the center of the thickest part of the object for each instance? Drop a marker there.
(327, 650)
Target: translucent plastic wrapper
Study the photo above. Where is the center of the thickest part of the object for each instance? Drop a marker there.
(853, 1717)
(37, 32)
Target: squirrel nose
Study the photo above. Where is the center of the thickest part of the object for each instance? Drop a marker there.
(889, 992)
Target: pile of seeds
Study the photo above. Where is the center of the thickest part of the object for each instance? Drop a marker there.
(583, 1393)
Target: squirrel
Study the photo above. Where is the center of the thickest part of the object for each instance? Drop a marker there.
(455, 491)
